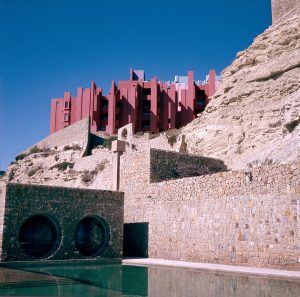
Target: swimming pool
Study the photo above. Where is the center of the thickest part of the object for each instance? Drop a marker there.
(122, 280)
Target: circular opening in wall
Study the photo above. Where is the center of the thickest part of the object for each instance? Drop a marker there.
(91, 236)
(39, 236)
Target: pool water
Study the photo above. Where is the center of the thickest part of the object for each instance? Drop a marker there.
(120, 280)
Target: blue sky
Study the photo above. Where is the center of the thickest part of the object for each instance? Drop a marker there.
(51, 46)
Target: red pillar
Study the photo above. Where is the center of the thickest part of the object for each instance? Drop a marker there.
(124, 106)
(66, 108)
(172, 106)
(190, 96)
(92, 102)
(53, 115)
(79, 104)
(112, 102)
(211, 83)
(153, 109)
(95, 107)
(165, 107)
(132, 100)
(184, 108)
(86, 102)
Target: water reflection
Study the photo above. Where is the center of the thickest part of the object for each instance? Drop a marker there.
(117, 280)
(180, 282)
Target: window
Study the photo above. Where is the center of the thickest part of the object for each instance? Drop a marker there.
(66, 117)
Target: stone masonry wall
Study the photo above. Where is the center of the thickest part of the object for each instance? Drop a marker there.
(66, 206)
(280, 8)
(237, 217)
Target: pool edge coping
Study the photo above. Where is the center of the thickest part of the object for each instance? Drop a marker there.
(220, 268)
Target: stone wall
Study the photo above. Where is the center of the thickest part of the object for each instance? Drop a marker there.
(280, 8)
(76, 133)
(66, 206)
(237, 217)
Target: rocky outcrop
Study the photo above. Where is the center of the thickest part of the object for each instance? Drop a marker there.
(254, 116)
(69, 166)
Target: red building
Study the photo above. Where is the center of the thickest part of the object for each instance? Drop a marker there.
(153, 105)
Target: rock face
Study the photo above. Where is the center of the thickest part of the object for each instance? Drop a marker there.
(68, 165)
(280, 8)
(254, 117)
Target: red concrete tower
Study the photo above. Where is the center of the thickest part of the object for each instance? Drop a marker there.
(212, 87)
(190, 98)
(112, 109)
(154, 106)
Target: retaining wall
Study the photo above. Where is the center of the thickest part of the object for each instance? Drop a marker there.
(237, 217)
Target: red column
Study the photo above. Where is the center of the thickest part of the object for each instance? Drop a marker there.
(184, 108)
(190, 96)
(211, 83)
(53, 115)
(86, 102)
(124, 112)
(95, 107)
(172, 106)
(112, 101)
(79, 104)
(153, 109)
(66, 109)
(165, 107)
(132, 100)
(92, 102)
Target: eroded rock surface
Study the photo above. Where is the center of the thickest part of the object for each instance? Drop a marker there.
(254, 118)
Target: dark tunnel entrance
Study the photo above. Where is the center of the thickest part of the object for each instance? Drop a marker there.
(136, 240)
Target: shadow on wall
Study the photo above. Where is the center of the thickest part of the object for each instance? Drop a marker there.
(97, 141)
(166, 165)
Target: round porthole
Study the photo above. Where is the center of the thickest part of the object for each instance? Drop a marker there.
(39, 236)
(91, 236)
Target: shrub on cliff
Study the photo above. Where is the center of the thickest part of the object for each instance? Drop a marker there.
(62, 166)
(87, 177)
(74, 147)
(36, 149)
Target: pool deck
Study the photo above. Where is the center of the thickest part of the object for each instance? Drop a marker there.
(264, 272)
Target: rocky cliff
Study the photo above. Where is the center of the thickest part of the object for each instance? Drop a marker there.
(254, 117)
